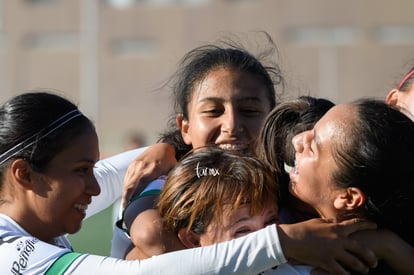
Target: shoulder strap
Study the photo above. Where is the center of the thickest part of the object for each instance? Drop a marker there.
(62, 263)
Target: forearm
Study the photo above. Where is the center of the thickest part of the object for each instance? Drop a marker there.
(110, 173)
(252, 254)
(397, 253)
(326, 245)
(402, 261)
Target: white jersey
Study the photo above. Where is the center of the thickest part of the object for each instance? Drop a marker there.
(21, 253)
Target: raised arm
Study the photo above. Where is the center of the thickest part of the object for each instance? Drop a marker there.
(110, 173)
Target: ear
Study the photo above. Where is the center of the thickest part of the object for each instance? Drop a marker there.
(350, 199)
(21, 173)
(392, 97)
(188, 238)
(184, 126)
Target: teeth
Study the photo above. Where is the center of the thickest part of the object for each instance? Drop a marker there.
(287, 168)
(81, 207)
(233, 147)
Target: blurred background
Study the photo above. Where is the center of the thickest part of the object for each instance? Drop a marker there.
(112, 57)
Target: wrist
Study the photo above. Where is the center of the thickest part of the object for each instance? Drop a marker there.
(285, 240)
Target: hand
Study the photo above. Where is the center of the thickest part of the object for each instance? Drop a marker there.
(388, 246)
(155, 161)
(324, 244)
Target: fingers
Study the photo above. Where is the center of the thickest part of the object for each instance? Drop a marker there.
(143, 176)
(359, 257)
(331, 267)
(345, 261)
(355, 264)
(356, 256)
(339, 253)
(319, 271)
(136, 170)
(155, 161)
(352, 256)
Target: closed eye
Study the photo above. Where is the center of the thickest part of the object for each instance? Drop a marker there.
(251, 111)
(84, 170)
(212, 112)
(242, 231)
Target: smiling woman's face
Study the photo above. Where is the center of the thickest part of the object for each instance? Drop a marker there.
(311, 178)
(227, 109)
(61, 194)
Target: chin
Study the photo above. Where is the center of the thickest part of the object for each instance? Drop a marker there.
(291, 188)
(292, 191)
(74, 228)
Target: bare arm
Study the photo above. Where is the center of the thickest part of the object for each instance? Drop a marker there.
(150, 238)
(326, 245)
(388, 246)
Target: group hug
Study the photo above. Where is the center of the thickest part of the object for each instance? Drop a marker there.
(239, 182)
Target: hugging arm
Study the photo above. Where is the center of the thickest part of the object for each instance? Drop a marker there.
(250, 254)
(326, 245)
(388, 246)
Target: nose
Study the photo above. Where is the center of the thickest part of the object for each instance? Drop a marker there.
(232, 123)
(297, 142)
(92, 186)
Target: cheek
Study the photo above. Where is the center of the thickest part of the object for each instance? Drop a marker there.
(410, 106)
(304, 187)
(254, 129)
(298, 189)
(214, 234)
(69, 191)
(254, 125)
(202, 132)
(208, 238)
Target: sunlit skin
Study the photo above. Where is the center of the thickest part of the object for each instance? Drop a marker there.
(227, 109)
(51, 203)
(403, 99)
(233, 224)
(311, 177)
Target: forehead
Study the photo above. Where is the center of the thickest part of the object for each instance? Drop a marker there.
(227, 82)
(83, 147)
(337, 121)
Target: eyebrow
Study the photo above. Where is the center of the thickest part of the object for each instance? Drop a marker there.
(91, 161)
(240, 220)
(241, 99)
(267, 213)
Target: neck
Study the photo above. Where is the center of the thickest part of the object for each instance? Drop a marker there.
(27, 220)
